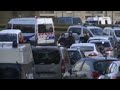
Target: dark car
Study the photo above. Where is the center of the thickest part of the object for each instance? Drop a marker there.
(51, 62)
(89, 68)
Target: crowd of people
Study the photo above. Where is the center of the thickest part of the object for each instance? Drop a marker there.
(67, 42)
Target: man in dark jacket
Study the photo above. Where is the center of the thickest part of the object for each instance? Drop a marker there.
(70, 40)
(62, 40)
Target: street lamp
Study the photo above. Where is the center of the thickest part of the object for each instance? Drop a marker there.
(112, 17)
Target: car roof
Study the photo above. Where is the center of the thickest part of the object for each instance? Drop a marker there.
(116, 29)
(99, 37)
(100, 41)
(73, 49)
(14, 31)
(83, 44)
(99, 58)
(77, 26)
(117, 62)
(46, 47)
(91, 27)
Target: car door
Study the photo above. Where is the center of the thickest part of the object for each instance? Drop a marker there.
(76, 69)
(112, 70)
(84, 72)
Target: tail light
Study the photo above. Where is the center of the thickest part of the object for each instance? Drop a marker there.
(109, 49)
(95, 75)
(63, 66)
(116, 77)
(92, 54)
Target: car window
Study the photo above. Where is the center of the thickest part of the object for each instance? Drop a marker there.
(66, 56)
(8, 37)
(113, 68)
(102, 66)
(87, 48)
(74, 56)
(117, 33)
(97, 31)
(86, 67)
(46, 56)
(85, 31)
(75, 30)
(104, 44)
(77, 66)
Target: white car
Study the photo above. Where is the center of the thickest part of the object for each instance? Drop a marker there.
(89, 49)
(106, 44)
(9, 35)
(113, 71)
(102, 38)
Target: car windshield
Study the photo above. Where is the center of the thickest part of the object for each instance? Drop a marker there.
(75, 30)
(46, 56)
(102, 66)
(97, 31)
(8, 37)
(87, 48)
(117, 33)
(105, 44)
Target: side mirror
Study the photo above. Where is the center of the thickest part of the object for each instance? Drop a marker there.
(70, 71)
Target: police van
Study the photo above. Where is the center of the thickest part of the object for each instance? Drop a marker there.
(16, 62)
(39, 30)
(99, 20)
(9, 35)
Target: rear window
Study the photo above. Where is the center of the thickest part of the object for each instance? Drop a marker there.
(86, 48)
(102, 65)
(105, 44)
(46, 56)
(43, 28)
(8, 37)
(74, 56)
(75, 30)
(117, 32)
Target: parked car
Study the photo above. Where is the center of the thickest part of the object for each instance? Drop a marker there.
(51, 62)
(89, 68)
(113, 71)
(75, 55)
(106, 44)
(89, 49)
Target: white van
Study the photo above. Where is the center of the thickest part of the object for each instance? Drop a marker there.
(105, 20)
(99, 20)
(9, 35)
(39, 30)
(16, 63)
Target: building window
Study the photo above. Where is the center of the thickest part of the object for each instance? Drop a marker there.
(46, 12)
(95, 12)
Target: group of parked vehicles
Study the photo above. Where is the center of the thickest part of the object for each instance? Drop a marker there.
(28, 50)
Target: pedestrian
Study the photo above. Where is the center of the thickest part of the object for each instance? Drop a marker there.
(70, 39)
(85, 37)
(62, 40)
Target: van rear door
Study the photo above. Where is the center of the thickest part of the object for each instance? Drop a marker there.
(47, 63)
(46, 34)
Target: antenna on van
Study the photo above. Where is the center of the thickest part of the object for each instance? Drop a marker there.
(36, 17)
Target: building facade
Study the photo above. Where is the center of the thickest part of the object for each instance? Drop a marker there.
(5, 16)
